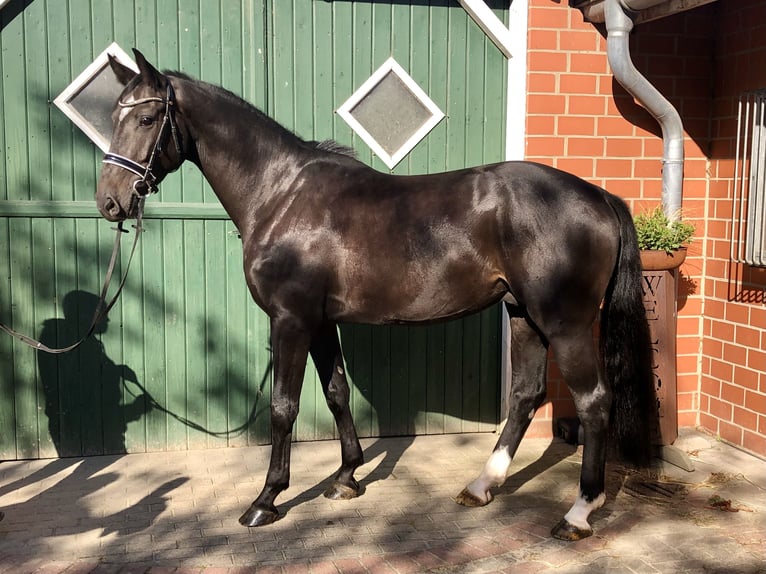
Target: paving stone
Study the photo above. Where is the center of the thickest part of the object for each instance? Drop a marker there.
(179, 510)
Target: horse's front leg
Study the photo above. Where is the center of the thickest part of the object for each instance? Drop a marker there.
(327, 356)
(290, 343)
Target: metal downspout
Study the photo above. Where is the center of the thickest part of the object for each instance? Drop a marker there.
(619, 25)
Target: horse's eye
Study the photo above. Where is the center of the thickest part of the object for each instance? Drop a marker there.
(146, 120)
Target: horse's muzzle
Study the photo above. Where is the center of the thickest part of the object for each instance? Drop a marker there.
(111, 209)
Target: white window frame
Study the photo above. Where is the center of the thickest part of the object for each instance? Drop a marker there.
(64, 100)
(390, 66)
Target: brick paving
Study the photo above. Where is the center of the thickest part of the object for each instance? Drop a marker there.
(177, 513)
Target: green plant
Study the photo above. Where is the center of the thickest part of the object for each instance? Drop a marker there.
(655, 231)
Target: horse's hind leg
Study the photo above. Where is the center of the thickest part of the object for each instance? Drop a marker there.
(529, 352)
(290, 343)
(328, 359)
(578, 362)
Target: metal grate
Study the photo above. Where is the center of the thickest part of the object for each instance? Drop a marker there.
(748, 221)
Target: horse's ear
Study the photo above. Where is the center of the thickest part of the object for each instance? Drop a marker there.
(150, 74)
(122, 72)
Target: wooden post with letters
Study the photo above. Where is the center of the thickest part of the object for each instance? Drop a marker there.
(660, 303)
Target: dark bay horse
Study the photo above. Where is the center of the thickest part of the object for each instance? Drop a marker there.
(328, 240)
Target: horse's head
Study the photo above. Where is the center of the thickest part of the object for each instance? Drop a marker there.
(147, 141)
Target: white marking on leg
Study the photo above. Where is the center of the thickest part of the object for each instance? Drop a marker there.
(494, 473)
(581, 509)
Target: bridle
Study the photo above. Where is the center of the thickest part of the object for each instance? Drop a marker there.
(147, 182)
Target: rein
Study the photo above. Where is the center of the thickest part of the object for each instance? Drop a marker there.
(103, 306)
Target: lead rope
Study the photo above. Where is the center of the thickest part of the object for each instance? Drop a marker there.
(103, 306)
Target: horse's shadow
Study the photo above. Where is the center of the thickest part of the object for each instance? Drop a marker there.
(74, 384)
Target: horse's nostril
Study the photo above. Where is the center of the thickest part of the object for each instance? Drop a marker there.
(111, 207)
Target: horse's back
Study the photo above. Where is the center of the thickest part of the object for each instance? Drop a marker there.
(427, 247)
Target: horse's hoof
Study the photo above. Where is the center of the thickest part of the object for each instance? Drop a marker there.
(258, 516)
(467, 498)
(569, 532)
(339, 491)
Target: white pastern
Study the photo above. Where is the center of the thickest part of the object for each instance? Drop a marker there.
(494, 473)
(580, 511)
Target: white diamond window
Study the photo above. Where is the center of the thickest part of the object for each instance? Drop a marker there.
(391, 113)
(88, 101)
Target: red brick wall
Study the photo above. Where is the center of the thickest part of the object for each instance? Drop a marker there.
(733, 377)
(581, 121)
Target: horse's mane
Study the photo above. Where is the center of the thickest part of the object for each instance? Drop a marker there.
(327, 145)
(334, 147)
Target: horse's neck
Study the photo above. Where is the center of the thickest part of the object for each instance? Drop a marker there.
(246, 158)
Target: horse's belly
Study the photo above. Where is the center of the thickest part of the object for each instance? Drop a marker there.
(409, 297)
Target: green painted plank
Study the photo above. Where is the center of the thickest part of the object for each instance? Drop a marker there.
(136, 351)
(90, 358)
(322, 72)
(205, 271)
(471, 371)
(22, 318)
(362, 376)
(303, 69)
(435, 356)
(282, 105)
(192, 28)
(126, 16)
(176, 317)
(154, 333)
(191, 295)
(3, 116)
(416, 394)
(489, 364)
(256, 52)
(456, 104)
(362, 65)
(62, 332)
(419, 62)
(38, 95)
(102, 26)
(453, 379)
(61, 128)
(401, 379)
(379, 394)
(44, 282)
(147, 27)
(474, 108)
(343, 51)
(438, 87)
(15, 98)
(7, 356)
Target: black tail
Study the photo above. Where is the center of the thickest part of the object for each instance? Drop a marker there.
(626, 348)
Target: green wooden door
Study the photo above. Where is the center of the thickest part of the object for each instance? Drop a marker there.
(184, 361)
